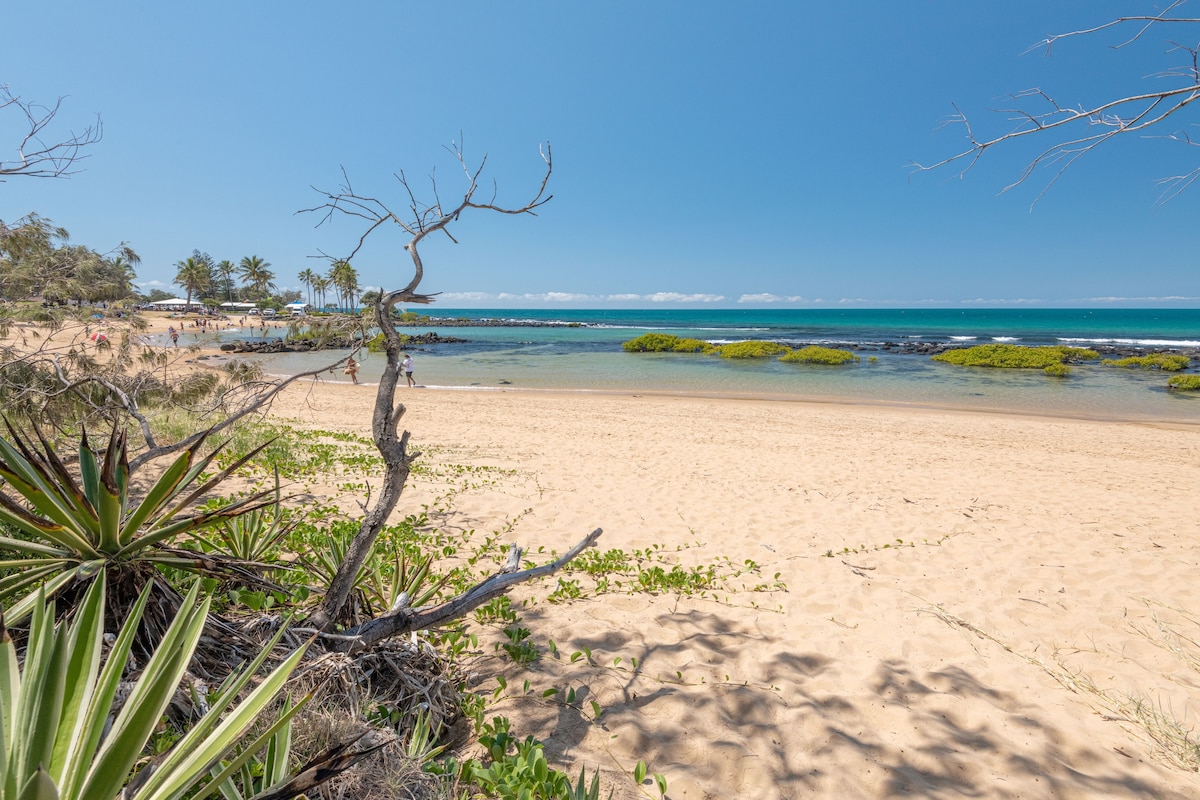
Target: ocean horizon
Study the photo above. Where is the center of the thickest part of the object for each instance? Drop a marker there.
(580, 350)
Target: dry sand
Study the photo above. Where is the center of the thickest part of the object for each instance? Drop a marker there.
(1013, 586)
(979, 640)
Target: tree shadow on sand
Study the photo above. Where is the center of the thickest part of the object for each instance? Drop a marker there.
(727, 711)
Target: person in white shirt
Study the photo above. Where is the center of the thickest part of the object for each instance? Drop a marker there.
(407, 366)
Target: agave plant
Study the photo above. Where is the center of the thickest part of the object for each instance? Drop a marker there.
(68, 529)
(252, 537)
(60, 738)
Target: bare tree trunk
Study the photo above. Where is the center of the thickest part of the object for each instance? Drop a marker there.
(397, 461)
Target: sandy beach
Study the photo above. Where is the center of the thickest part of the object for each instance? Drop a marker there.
(972, 599)
(976, 604)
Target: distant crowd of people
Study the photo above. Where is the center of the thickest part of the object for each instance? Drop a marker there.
(202, 325)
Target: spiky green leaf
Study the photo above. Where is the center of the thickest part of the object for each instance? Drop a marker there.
(161, 493)
(150, 696)
(20, 610)
(204, 745)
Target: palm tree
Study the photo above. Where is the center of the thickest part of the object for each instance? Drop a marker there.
(257, 275)
(226, 269)
(192, 275)
(345, 279)
(321, 284)
(307, 277)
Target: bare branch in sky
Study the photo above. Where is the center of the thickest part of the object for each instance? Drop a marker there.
(38, 157)
(1075, 131)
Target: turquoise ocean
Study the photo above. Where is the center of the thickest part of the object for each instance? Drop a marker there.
(580, 350)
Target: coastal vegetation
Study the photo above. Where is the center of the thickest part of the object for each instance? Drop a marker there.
(815, 354)
(1184, 383)
(665, 343)
(1053, 360)
(75, 730)
(1167, 362)
(751, 349)
(1057, 370)
(756, 348)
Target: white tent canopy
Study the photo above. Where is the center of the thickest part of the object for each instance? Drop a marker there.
(238, 306)
(174, 302)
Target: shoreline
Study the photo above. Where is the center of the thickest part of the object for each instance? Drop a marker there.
(848, 402)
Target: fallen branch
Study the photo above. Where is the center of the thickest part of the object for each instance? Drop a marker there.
(405, 619)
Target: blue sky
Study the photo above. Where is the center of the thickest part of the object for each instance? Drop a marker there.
(705, 154)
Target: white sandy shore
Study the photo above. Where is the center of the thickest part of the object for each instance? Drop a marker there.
(995, 562)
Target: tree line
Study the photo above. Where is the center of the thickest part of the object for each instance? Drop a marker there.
(38, 260)
(213, 282)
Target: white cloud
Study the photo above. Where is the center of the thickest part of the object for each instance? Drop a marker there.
(526, 297)
(473, 297)
(578, 298)
(767, 297)
(1020, 301)
(565, 297)
(676, 297)
(1167, 299)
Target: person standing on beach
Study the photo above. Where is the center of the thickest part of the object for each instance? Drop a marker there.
(174, 334)
(407, 366)
(352, 369)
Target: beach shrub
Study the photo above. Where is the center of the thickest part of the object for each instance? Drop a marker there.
(666, 343)
(1184, 383)
(693, 346)
(1015, 356)
(1164, 361)
(651, 343)
(517, 769)
(819, 355)
(1058, 370)
(412, 318)
(751, 349)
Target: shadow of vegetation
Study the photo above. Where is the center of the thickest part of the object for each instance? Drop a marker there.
(790, 727)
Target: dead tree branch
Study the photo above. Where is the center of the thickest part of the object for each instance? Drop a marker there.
(36, 157)
(421, 220)
(1075, 131)
(404, 619)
